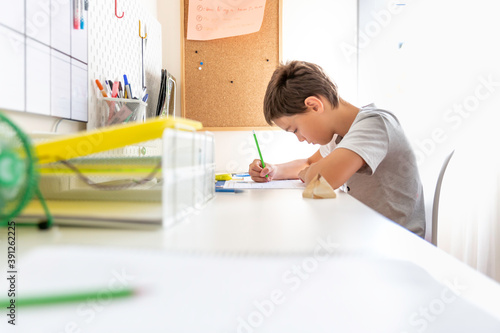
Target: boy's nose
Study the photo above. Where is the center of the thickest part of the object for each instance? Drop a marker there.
(300, 137)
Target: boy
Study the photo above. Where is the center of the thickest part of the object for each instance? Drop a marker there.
(365, 148)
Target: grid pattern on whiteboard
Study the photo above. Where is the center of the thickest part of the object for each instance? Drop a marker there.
(115, 49)
(43, 58)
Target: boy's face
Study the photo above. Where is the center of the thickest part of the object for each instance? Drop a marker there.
(309, 126)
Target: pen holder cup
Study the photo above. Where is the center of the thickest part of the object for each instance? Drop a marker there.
(122, 110)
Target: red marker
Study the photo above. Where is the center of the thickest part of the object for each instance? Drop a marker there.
(114, 93)
(76, 14)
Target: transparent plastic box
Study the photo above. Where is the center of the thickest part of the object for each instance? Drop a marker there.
(188, 173)
(122, 110)
(166, 179)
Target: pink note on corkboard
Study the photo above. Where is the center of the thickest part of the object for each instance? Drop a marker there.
(212, 19)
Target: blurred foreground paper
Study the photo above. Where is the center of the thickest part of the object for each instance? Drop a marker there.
(237, 292)
(211, 19)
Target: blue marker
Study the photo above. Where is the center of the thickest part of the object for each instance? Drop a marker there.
(228, 190)
(127, 87)
(81, 18)
(241, 175)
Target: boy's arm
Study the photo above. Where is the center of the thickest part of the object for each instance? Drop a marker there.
(336, 168)
(288, 170)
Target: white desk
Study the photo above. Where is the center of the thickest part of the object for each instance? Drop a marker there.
(278, 222)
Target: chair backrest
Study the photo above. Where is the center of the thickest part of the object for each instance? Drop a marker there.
(437, 192)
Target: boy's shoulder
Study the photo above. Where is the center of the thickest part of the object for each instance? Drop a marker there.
(372, 110)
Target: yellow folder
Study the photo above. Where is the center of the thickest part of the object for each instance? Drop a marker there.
(106, 138)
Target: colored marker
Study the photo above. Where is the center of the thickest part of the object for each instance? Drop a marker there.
(76, 14)
(242, 174)
(101, 88)
(111, 105)
(114, 92)
(81, 14)
(228, 190)
(108, 87)
(127, 87)
(120, 89)
(260, 154)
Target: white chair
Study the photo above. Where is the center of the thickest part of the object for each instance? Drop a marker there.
(437, 192)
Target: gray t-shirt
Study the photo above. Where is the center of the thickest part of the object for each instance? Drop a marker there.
(389, 183)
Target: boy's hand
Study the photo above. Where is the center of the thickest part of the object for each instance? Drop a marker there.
(302, 174)
(258, 174)
(307, 174)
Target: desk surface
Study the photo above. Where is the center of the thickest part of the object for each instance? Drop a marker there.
(279, 222)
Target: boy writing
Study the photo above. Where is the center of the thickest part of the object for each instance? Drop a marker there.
(365, 148)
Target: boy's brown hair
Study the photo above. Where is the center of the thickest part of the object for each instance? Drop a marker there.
(291, 84)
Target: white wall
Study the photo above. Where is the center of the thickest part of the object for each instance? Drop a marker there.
(449, 50)
(235, 150)
(33, 123)
(151, 6)
(437, 81)
(325, 33)
(444, 85)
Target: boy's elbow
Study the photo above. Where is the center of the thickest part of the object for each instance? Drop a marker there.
(334, 182)
(343, 165)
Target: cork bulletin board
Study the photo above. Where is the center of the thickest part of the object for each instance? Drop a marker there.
(224, 80)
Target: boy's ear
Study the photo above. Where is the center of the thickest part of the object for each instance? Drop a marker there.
(314, 103)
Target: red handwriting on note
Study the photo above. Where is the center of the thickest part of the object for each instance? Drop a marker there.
(211, 19)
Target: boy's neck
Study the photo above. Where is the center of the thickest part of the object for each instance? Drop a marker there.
(344, 114)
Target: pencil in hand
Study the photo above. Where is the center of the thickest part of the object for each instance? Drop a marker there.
(260, 154)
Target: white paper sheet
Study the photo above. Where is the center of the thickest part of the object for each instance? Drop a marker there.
(211, 19)
(340, 292)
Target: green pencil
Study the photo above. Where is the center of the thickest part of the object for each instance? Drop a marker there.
(260, 154)
(68, 298)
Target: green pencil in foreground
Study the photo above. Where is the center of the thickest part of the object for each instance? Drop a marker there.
(67, 298)
(260, 154)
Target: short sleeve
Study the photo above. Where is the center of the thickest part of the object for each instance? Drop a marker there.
(325, 150)
(368, 137)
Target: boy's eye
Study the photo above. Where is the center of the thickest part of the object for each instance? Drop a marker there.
(295, 131)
